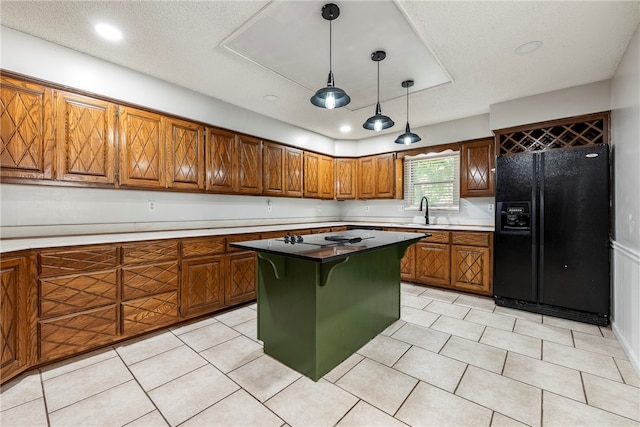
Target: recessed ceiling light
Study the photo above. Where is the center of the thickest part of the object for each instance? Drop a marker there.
(271, 98)
(108, 32)
(528, 47)
(345, 128)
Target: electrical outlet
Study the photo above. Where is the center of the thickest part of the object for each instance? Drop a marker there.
(490, 207)
(152, 206)
(269, 208)
(366, 208)
(401, 208)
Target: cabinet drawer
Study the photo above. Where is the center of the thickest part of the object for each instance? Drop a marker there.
(150, 313)
(470, 239)
(72, 294)
(146, 280)
(436, 236)
(202, 247)
(82, 259)
(149, 252)
(240, 238)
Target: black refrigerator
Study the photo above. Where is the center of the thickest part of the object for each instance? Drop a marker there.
(551, 242)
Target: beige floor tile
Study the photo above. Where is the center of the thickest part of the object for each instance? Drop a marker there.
(264, 377)
(511, 341)
(447, 309)
(457, 327)
(519, 314)
(607, 332)
(440, 295)
(152, 419)
(232, 354)
(560, 411)
(237, 316)
(20, 390)
(481, 303)
(365, 415)
(192, 393)
(547, 376)
(384, 349)
(306, 402)
(113, 407)
(165, 367)
(147, 346)
(430, 406)
(249, 329)
(409, 289)
(499, 321)
(196, 324)
(612, 396)
(432, 368)
(208, 336)
(391, 329)
(476, 354)
(512, 398)
(422, 337)
(65, 366)
(377, 384)
(414, 301)
(544, 332)
(500, 420)
(417, 317)
(629, 375)
(336, 373)
(606, 346)
(85, 382)
(238, 409)
(571, 324)
(29, 414)
(582, 360)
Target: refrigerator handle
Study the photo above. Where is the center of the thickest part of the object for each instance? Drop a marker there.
(540, 235)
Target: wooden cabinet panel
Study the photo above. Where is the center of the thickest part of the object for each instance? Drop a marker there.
(60, 262)
(220, 160)
(320, 230)
(385, 176)
(471, 239)
(437, 237)
(203, 285)
(241, 283)
(145, 280)
(185, 154)
(249, 165)
(293, 172)
(203, 246)
(26, 129)
(273, 169)
(477, 168)
(149, 252)
(85, 139)
(366, 178)
(240, 238)
(325, 174)
(147, 314)
(433, 263)
(311, 175)
(471, 268)
(76, 293)
(142, 148)
(346, 178)
(408, 264)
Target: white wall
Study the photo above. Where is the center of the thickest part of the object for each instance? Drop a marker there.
(625, 134)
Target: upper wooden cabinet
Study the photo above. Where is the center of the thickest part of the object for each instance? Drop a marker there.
(185, 154)
(346, 178)
(234, 163)
(294, 164)
(142, 148)
(85, 139)
(376, 177)
(477, 173)
(325, 175)
(26, 129)
(249, 165)
(273, 169)
(318, 176)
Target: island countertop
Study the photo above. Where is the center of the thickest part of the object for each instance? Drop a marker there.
(326, 247)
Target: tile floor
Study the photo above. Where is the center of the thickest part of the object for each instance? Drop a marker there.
(452, 359)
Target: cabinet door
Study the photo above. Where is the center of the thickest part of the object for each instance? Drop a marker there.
(385, 176)
(293, 172)
(220, 160)
(249, 170)
(470, 268)
(150, 313)
(408, 264)
(433, 263)
(477, 169)
(202, 285)
(346, 178)
(325, 172)
(241, 282)
(366, 177)
(142, 148)
(85, 138)
(273, 169)
(311, 177)
(185, 154)
(26, 129)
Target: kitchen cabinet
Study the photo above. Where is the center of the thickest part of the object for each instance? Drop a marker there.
(408, 264)
(203, 278)
(241, 285)
(318, 176)
(142, 148)
(376, 177)
(477, 168)
(249, 155)
(85, 139)
(273, 169)
(185, 155)
(27, 129)
(325, 175)
(234, 163)
(346, 178)
(433, 259)
(293, 172)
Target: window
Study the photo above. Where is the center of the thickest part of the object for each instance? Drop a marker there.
(434, 175)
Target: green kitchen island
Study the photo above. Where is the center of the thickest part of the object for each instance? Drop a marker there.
(324, 296)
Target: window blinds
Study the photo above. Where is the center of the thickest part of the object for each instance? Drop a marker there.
(436, 176)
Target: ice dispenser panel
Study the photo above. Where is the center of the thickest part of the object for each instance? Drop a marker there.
(514, 217)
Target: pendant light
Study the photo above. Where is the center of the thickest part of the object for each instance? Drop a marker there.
(330, 97)
(378, 121)
(407, 137)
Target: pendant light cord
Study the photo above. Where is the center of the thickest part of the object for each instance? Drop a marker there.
(330, 65)
(378, 81)
(407, 104)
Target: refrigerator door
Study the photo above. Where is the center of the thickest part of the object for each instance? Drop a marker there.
(515, 273)
(574, 229)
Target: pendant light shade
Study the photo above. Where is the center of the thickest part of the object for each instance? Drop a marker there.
(330, 97)
(378, 122)
(407, 137)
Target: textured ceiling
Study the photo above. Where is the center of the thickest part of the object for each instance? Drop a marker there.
(183, 42)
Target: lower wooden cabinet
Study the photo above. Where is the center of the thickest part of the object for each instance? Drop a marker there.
(202, 285)
(433, 263)
(241, 284)
(470, 268)
(408, 264)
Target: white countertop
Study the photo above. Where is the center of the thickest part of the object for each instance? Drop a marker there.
(12, 245)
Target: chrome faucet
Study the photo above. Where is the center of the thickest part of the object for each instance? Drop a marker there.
(426, 210)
